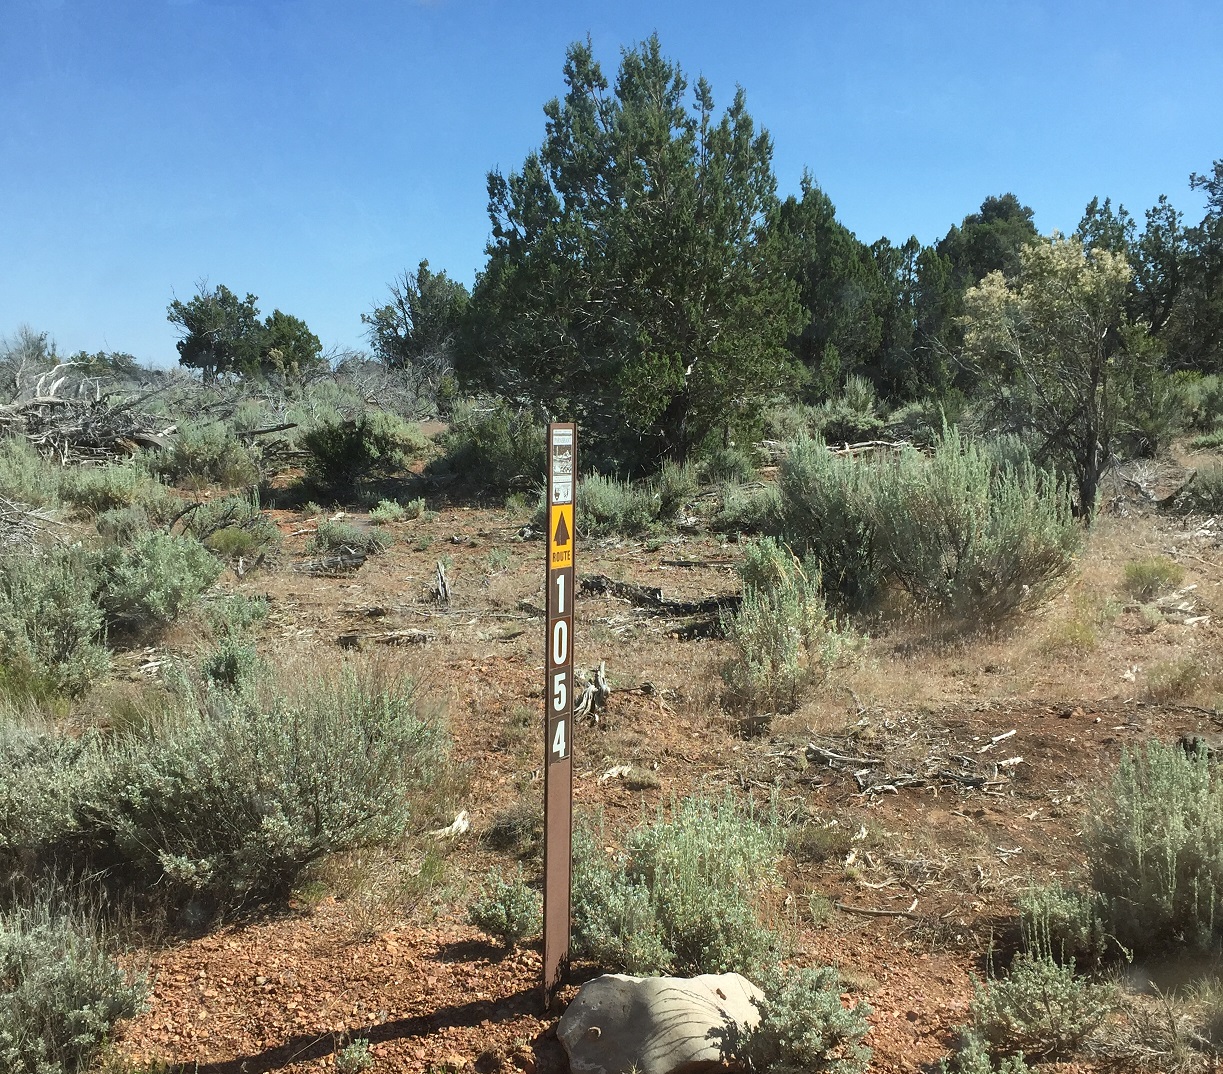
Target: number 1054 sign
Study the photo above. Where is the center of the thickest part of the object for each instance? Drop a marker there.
(558, 704)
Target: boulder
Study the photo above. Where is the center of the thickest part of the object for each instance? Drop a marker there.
(657, 1025)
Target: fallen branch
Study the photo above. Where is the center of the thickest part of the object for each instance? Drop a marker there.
(866, 911)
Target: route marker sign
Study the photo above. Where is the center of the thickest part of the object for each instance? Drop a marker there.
(558, 705)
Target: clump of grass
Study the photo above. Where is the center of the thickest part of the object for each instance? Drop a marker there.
(1145, 578)
(335, 536)
(1205, 492)
(681, 895)
(518, 828)
(1174, 680)
(509, 909)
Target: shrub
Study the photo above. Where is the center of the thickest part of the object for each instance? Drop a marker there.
(673, 489)
(354, 1057)
(232, 526)
(1040, 1009)
(826, 518)
(804, 1029)
(387, 511)
(967, 537)
(209, 454)
(728, 464)
(606, 506)
(60, 993)
(1144, 578)
(518, 828)
(510, 909)
(234, 614)
(344, 456)
(44, 771)
(1156, 851)
(784, 637)
(681, 895)
(746, 508)
(494, 448)
(851, 416)
(26, 476)
(1207, 441)
(1202, 400)
(226, 803)
(50, 625)
(150, 582)
(231, 665)
(1204, 493)
(122, 525)
(1064, 925)
(331, 537)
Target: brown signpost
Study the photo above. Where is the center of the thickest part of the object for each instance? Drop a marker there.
(558, 705)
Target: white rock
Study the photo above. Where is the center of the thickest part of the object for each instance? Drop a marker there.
(656, 1025)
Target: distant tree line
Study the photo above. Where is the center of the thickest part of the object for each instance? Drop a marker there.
(645, 278)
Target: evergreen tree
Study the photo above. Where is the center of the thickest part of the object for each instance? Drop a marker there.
(633, 281)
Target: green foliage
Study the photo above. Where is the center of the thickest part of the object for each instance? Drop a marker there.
(1205, 492)
(1207, 441)
(746, 508)
(851, 416)
(25, 476)
(606, 506)
(1144, 578)
(60, 993)
(50, 624)
(207, 453)
(494, 448)
(633, 280)
(1155, 850)
(334, 536)
(804, 1029)
(222, 334)
(1040, 1009)
(231, 665)
(148, 583)
(724, 464)
(226, 803)
(354, 1057)
(784, 637)
(45, 771)
(681, 896)
(344, 456)
(96, 489)
(1065, 925)
(232, 526)
(1059, 357)
(386, 512)
(122, 525)
(511, 910)
(827, 518)
(970, 539)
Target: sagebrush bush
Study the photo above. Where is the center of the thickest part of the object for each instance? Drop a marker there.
(826, 518)
(970, 538)
(1066, 925)
(96, 489)
(225, 803)
(1205, 492)
(45, 771)
(122, 525)
(725, 464)
(50, 625)
(606, 506)
(507, 908)
(25, 476)
(494, 448)
(746, 509)
(60, 992)
(148, 583)
(207, 453)
(851, 416)
(804, 1029)
(784, 636)
(230, 525)
(1155, 851)
(387, 511)
(673, 488)
(333, 536)
(682, 895)
(1040, 1009)
(1144, 578)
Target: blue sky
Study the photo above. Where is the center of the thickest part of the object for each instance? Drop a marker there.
(309, 150)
